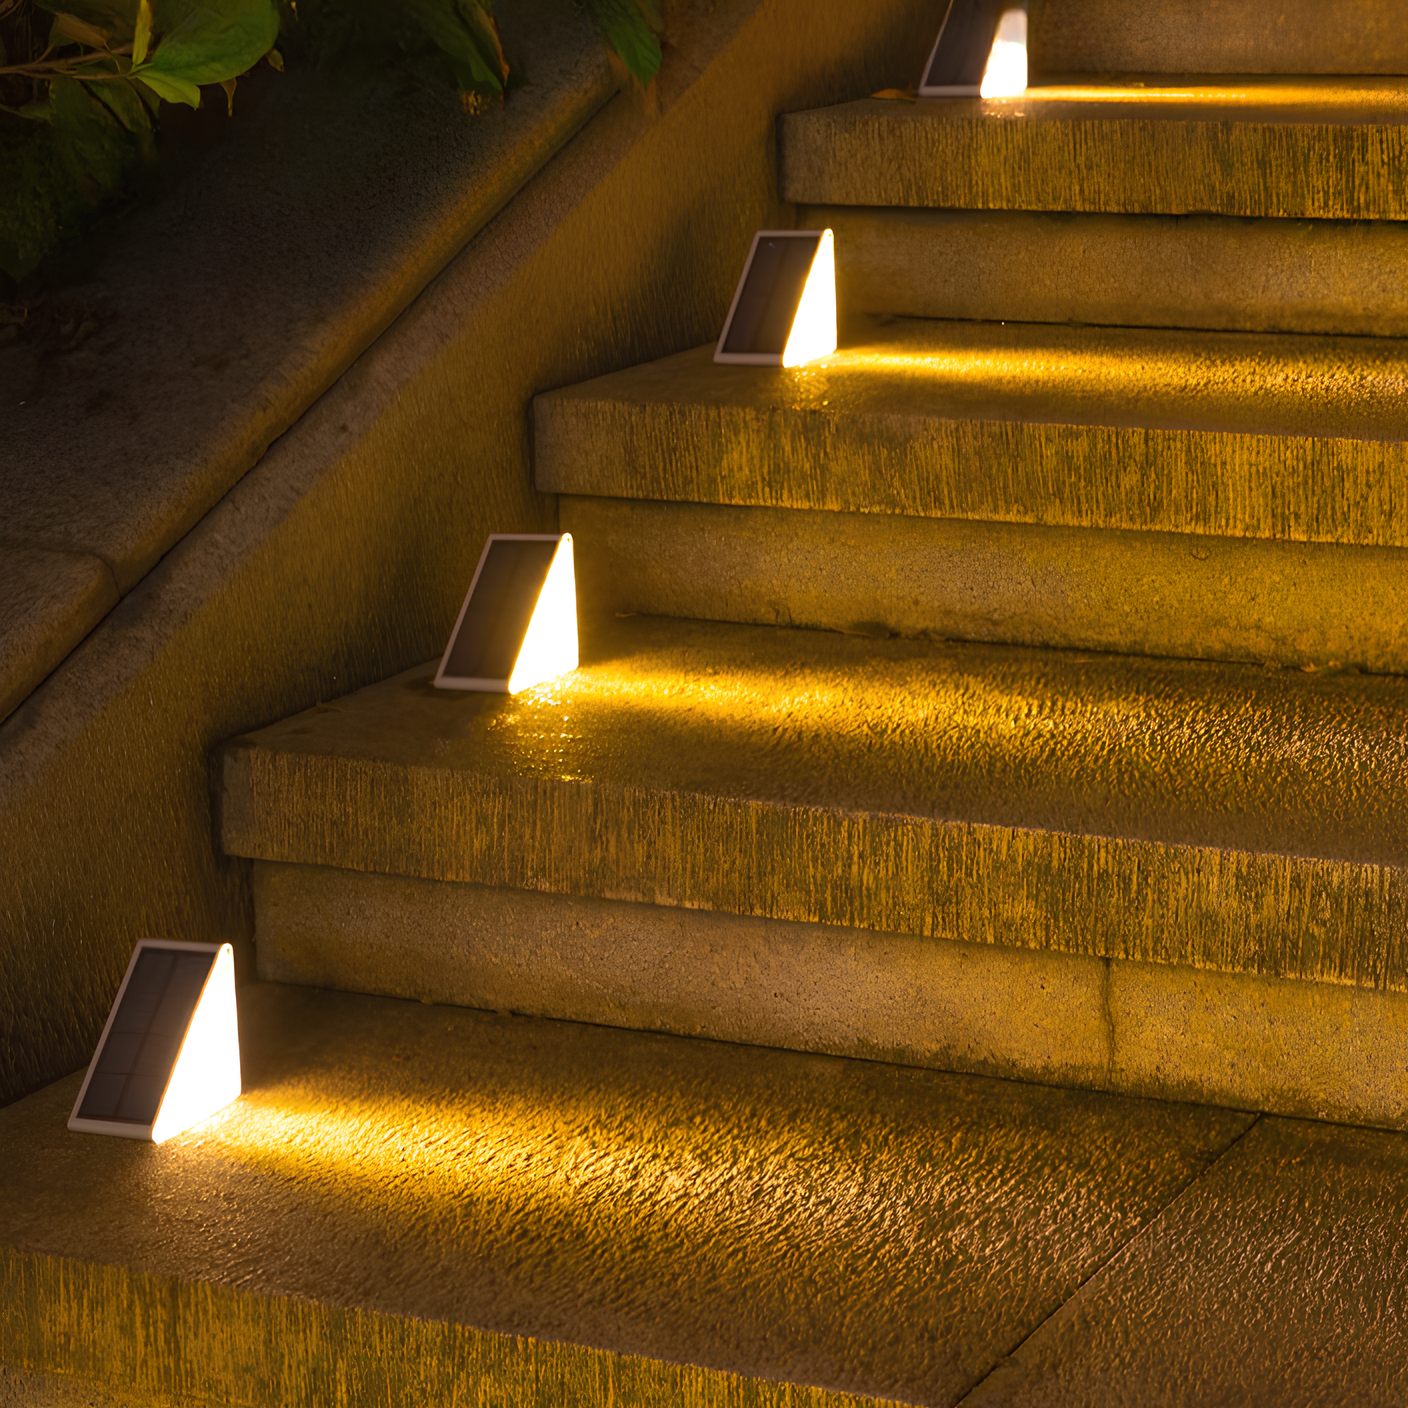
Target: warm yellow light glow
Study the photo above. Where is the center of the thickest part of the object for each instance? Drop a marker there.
(206, 1076)
(1365, 95)
(813, 332)
(1006, 73)
(549, 646)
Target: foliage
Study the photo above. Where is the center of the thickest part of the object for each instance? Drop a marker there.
(82, 81)
(77, 109)
(632, 29)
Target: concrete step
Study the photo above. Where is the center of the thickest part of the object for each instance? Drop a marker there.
(423, 1205)
(1231, 37)
(1291, 438)
(1305, 148)
(1153, 876)
(1229, 496)
(1157, 271)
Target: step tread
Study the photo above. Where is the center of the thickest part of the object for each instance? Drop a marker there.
(1177, 752)
(1121, 806)
(869, 1229)
(1185, 1314)
(1299, 148)
(1235, 434)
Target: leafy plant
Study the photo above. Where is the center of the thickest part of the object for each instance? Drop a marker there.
(82, 81)
(89, 89)
(632, 29)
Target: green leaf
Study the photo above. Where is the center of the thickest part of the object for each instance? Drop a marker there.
(37, 198)
(468, 38)
(90, 142)
(149, 96)
(631, 35)
(55, 170)
(122, 100)
(33, 112)
(77, 31)
(479, 21)
(142, 34)
(114, 18)
(214, 41)
(173, 89)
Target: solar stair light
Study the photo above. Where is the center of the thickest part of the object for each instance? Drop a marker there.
(169, 1056)
(784, 309)
(981, 52)
(518, 624)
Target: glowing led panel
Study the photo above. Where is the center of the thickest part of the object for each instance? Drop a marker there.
(518, 624)
(981, 51)
(169, 1056)
(784, 309)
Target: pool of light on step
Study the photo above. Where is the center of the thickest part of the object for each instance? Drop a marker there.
(1196, 90)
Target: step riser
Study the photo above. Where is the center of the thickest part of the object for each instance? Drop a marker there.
(1121, 270)
(1063, 156)
(1177, 1033)
(1234, 36)
(1200, 597)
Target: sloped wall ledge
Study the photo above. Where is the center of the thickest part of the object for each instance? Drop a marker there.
(234, 301)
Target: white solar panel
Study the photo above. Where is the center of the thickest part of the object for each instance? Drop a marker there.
(519, 617)
(148, 1035)
(765, 302)
(961, 51)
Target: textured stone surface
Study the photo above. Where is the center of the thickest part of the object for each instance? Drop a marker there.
(1229, 434)
(343, 557)
(1232, 36)
(1277, 1279)
(426, 1185)
(1296, 1048)
(48, 602)
(1248, 1041)
(1192, 271)
(1330, 149)
(322, 214)
(1140, 593)
(765, 982)
(21, 1389)
(1221, 816)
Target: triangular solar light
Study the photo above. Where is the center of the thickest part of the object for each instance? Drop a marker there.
(169, 1055)
(981, 51)
(784, 308)
(518, 624)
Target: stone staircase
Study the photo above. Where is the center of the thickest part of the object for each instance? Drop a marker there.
(1171, 868)
(987, 738)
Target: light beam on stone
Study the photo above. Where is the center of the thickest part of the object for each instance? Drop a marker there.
(1006, 73)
